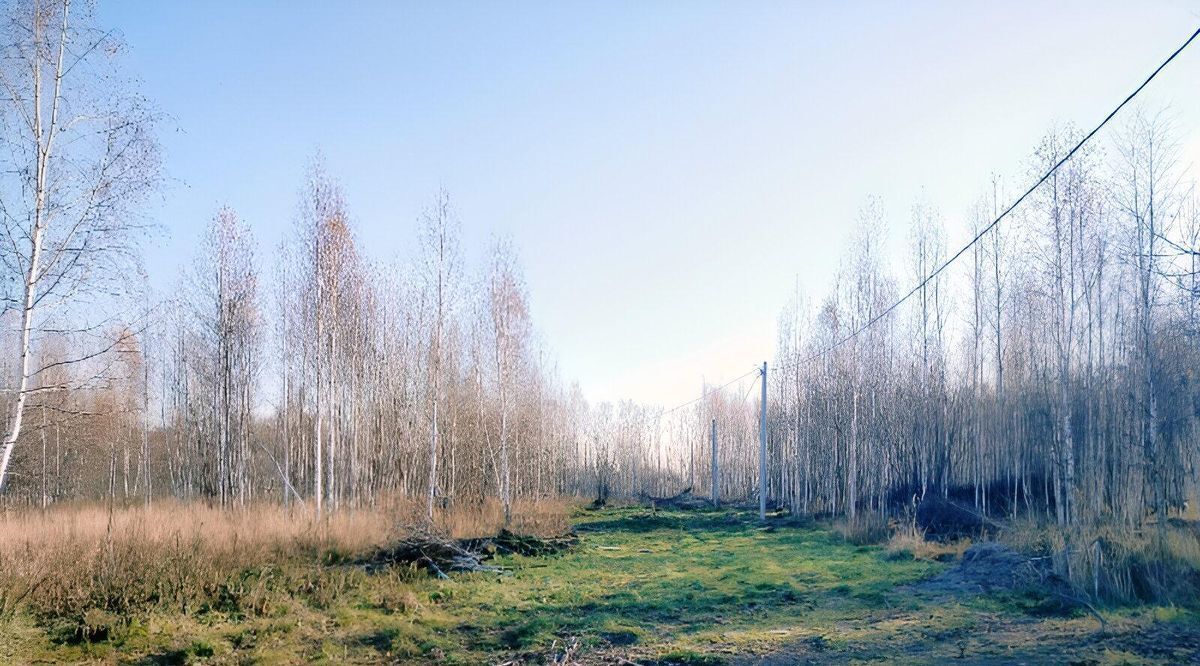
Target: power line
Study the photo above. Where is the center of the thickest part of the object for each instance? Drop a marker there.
(749, 391)
(706, 393)
(983, 232)
(1002, 215)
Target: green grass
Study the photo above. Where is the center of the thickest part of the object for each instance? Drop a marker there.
(669, 581)
(687, 588)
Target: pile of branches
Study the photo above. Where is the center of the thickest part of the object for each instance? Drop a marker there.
(511, 543)
(441, 555)
(947, 520)
(684, 501)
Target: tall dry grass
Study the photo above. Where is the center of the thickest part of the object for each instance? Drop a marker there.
(92, 566)
(866, 529)
(901, 537)
(908, 542)
(1113, 563)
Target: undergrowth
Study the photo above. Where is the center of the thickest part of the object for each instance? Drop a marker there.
(652, 587)
(1119, 564)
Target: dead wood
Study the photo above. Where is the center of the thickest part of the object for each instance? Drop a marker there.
(441, 555)
(682, 501)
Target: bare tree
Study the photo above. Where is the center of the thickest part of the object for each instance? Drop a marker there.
(227, 320)
(1148, 176)
(510, 329)
(78, 157)
(441, 266)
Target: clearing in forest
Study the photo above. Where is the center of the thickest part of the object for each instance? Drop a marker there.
(666, 587)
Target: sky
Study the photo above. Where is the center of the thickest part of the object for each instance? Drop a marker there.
(670, 171)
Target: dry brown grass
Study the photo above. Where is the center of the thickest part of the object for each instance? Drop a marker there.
(912, 543)
(1119, 563)
(82, 561)
(264, 525)
(865, 529)
(544, 517)
(255, 527)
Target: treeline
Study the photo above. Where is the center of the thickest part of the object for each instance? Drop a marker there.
(314, 376)
(1052, 371)
(331, 381)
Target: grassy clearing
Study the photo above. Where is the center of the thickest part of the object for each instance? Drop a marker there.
(665, 587)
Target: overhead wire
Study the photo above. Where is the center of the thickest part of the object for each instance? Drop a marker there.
(710, 392)
(1032, 188)
(978, 236)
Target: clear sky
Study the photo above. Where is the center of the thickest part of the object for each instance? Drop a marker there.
(668, 169)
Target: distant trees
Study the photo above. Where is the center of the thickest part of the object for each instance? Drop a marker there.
(357, 384)
(1055, 378)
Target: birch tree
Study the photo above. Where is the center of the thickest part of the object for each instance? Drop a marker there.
(510, 329)
(441, 266)
(227, 326)
(1147, 197)
(78, 157)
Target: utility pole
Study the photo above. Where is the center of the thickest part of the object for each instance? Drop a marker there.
(691, 462)
(762, 449)
(714, 463)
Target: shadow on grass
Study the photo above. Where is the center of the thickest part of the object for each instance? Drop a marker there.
(164, 658)
(380, 641)
(642, 521)
(624, 617)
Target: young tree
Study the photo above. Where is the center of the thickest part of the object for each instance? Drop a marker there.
(440, 269)
(1147, 198)
(510, 332)
(1068, 210)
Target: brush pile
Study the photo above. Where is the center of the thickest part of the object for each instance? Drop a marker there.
(683, 501)
(511, 543)
(440, 555)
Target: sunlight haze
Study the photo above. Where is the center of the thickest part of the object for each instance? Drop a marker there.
(667, 179)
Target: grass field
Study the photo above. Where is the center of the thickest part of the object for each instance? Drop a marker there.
(653, 588)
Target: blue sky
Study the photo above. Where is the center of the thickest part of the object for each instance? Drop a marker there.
(668, 170)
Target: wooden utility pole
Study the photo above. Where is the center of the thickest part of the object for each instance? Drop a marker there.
(715, 485)
(762, 449)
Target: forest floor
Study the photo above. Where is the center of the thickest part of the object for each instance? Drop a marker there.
(699, 587)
